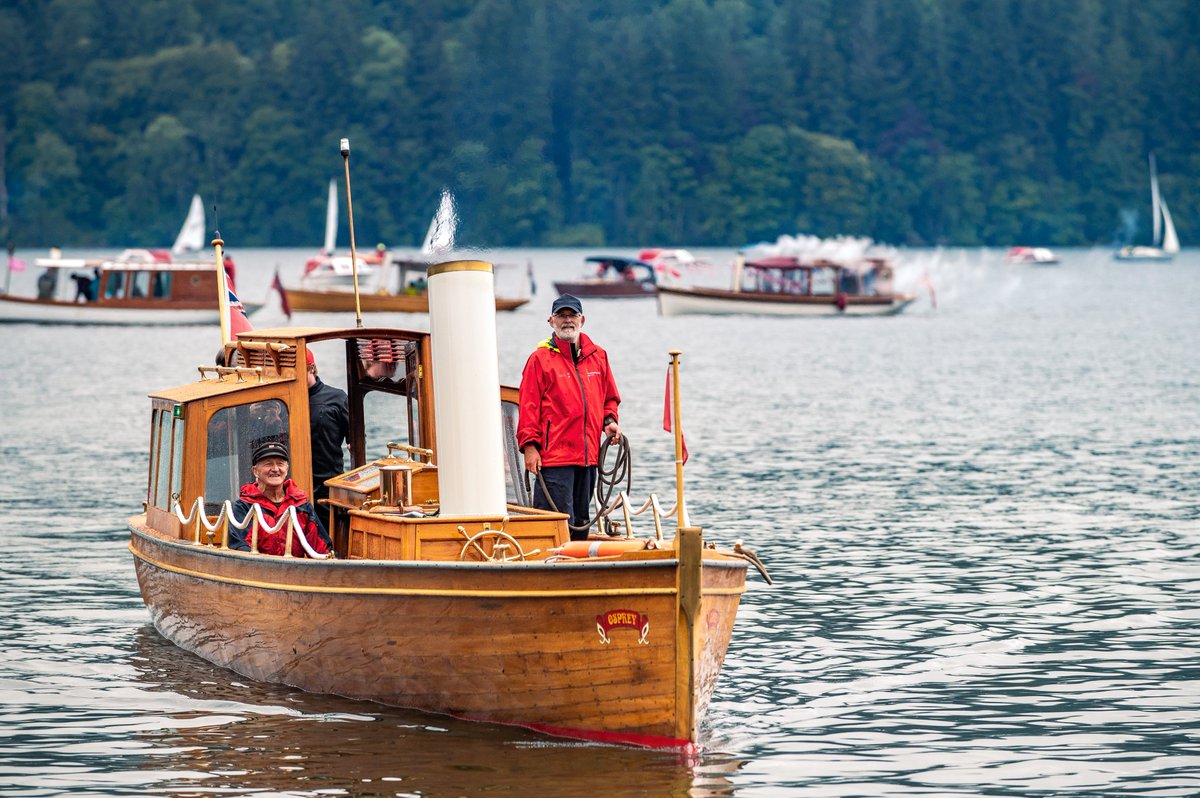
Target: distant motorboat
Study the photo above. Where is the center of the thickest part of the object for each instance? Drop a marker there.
(1040, 256)
(611, 276)
(1166, 242)
(616, 276)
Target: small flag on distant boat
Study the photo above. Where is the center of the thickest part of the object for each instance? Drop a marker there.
(15, 264)
(284, 305)
(668, 412)
(925, 281)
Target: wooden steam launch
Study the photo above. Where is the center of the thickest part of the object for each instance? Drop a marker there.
(448, 592)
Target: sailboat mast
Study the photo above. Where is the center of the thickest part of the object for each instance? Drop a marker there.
(331, 219)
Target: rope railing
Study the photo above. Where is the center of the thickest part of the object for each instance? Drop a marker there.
(651, 503)
(255, 519)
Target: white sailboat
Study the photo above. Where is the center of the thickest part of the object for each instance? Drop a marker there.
(331, 272)
(1166, 241)
(191, 235)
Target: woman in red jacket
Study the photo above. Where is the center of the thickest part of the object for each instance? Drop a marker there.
(275, 494)
(568, 401)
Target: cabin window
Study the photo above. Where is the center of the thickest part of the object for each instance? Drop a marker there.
(233, 435)
(140, 284)
(116, 285)
(514, 461)
(389, 418)
(162, 476)
(162, 285)
(150, 482)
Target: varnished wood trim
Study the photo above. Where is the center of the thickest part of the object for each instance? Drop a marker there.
(386, 591)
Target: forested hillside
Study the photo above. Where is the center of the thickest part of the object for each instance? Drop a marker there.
(619, 122)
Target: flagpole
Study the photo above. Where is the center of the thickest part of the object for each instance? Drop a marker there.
(681, 521)
(350, 215)
(222, 289)
(12, 252)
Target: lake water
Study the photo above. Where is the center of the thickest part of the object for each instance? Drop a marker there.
(982, 520)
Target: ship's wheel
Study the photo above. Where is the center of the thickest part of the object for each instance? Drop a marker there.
(504, 548)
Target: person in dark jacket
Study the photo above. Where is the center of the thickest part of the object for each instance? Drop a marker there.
(329, 427)
(568, 402)
(275, 493)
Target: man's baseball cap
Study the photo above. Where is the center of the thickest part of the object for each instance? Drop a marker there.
(566, 301)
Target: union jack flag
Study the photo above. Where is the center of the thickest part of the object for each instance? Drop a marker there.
(238, 320)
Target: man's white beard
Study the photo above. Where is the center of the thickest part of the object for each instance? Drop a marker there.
(568, 336)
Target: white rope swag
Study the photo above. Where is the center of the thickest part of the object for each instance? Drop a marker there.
(197, 516)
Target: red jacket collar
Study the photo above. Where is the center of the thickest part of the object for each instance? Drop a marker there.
(291, 491)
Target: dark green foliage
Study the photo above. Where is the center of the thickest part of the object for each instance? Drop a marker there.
(671, 122)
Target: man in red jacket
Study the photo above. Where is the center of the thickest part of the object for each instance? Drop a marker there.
(568, 402)
(275, 493)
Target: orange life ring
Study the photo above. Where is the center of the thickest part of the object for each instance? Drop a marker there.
(582, 549)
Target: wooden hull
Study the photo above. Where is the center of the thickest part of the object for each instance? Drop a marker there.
(148, 312)
(342, 301)
(601, 289)
(676, 301)
(516, 643)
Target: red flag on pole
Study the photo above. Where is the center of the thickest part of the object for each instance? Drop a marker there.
(238, 320)
(15, 264)
(277, 284)
(668, 412)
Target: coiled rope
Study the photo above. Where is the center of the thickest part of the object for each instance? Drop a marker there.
(607, 480)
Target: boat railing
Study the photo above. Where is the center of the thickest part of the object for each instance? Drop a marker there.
(627, 510)
(197, 518)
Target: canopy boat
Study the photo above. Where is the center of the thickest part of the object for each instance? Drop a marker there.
(139, 286)
(328, 284)
(787, 285)
(1166, 242)
(611, 276)
(1039, 256)
(448, 592)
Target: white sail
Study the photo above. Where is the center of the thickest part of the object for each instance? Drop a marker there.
(439, 239)
(1155, 207)
(191, 235)
(331, 220)
(1170, 244)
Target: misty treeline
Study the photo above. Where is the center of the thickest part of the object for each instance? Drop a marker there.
(612, 122)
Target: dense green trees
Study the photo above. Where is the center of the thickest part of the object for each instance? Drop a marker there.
(558, 122)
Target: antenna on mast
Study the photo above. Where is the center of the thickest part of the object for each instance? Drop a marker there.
(345, 147)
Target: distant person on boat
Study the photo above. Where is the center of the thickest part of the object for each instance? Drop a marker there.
(86, 286)
(275, 493)
(47, 282)
(568, 402)
(329, 427)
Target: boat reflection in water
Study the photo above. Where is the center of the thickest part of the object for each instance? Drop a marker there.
(449, 593)
(225, 735)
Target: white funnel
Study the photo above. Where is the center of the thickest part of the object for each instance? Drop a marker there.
(466, 384)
